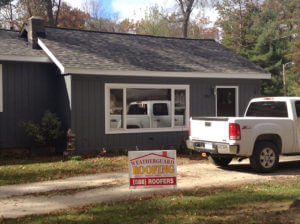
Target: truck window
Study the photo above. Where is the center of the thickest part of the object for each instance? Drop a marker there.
(297, 106)
(267, 109)
(160, 109)
(138, 109)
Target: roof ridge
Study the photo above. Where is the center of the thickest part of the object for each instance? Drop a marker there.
(128, 34)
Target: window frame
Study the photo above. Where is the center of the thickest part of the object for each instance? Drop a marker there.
(125, 86)
(1, 88)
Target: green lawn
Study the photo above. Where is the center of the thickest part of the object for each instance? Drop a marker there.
(16, 171)
(256, 203)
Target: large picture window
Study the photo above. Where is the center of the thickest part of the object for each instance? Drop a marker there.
(132, 108)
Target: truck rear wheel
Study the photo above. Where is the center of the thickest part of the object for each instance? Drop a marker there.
(265, 157)
(219, 161)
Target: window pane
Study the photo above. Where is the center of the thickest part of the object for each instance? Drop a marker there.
(116, 108)
(138, 109)
(267, 109)
(180, 107)
(148, 108)
(160, 109)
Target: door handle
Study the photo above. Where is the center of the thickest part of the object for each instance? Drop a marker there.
(113, 120)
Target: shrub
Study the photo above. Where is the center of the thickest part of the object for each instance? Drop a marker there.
(46, 132)
(76, 158)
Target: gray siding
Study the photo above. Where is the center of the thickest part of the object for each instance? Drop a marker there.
(88, 113)
(29, 89)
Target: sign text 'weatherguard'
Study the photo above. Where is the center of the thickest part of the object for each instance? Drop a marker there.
(152, 169)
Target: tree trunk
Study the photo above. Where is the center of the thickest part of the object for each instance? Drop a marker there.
(186, 21)
(49, 9)
(57, 12)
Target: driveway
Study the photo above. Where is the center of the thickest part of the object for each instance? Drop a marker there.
(44, 197)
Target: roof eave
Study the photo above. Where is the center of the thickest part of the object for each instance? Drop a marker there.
(43, 59)
(143, 73)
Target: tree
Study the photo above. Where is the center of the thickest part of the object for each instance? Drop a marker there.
(262, 32)
(186, 7)
(42, 8)
(71, 17)
(6, 13)
(199, 28)
(155, 23)
(236, 18)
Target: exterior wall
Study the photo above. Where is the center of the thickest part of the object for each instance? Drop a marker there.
(29, 89)
(88, 110)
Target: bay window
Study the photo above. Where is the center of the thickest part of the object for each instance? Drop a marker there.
(133, 108)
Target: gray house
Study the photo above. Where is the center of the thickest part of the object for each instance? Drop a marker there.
(118, 91)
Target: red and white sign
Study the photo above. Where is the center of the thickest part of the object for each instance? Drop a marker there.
(152, 169)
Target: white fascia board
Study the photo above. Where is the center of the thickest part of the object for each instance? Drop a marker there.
(168, 74)
(43, 59)
(51, 56)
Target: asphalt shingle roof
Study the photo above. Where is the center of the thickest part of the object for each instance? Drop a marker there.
(13, 45)
(111, 51)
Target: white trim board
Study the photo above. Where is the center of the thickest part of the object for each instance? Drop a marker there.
(43, 59)
(51, 56)
(124, 86)
(1, 89)
(68, 83)
(91, 71)
(167, 74)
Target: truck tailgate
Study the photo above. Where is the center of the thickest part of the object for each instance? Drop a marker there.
(210, 129)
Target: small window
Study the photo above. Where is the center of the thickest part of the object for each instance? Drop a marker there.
(297, 105)
(138, 109)
(160, 109)
(267, 109)
(1, 89)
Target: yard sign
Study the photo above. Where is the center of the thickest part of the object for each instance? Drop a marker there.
(152, 169)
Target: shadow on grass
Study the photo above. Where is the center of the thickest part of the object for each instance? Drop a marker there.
(284, 168)
(200, 206)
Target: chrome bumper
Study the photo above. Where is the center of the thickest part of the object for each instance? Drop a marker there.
(217, 148)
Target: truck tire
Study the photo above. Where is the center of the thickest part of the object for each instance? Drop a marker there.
(220, 161)
(265, 157)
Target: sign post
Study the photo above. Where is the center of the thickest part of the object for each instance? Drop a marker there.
(152, 169)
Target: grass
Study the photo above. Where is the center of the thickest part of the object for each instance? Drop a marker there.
(16, 171)
(252, 203)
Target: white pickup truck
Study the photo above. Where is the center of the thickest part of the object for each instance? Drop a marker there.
(269, 128)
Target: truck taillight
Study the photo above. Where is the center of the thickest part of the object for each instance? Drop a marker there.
(234, 131)
(190, 130)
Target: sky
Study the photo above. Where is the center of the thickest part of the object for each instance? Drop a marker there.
(135, 9)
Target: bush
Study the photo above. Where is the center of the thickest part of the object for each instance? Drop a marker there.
(76, 158)
(45, 133)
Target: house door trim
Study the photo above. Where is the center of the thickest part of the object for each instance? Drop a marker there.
(236, 98)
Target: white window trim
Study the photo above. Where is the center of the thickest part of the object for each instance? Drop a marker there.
(237, 106)
(1, 89)
(124, 86)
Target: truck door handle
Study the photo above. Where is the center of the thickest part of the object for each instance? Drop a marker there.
(158, 120)
(113, 120)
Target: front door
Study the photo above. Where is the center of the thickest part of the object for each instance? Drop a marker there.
(226, 101)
